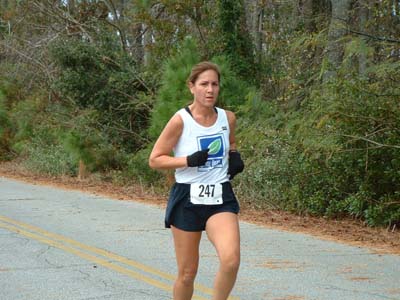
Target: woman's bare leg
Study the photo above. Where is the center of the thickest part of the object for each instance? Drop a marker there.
(223, 231)
(187, 257)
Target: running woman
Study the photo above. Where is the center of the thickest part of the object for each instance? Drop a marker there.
(202, 138)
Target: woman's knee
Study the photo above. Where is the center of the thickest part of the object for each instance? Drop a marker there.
(230, 262)
(187, 276)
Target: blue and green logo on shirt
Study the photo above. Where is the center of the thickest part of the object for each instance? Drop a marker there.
(215, 144)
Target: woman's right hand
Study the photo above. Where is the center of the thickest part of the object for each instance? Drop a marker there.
(198, 158)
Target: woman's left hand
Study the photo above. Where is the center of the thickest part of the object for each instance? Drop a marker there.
(236, 164)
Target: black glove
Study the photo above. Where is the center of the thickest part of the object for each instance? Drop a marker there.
(198, 158)
(236, 164)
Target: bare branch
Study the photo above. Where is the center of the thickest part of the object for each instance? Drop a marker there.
(122, 36)
(370, 141)
(58, 13)
(392, 203)
(142, 82)
(147, 27)
(384, 39)
(369, 118)
(31, 59)
(124, 130)
(374, 37)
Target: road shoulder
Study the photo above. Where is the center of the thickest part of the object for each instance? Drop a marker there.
(352, 232)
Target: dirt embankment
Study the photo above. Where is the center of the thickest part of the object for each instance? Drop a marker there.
(353, 232)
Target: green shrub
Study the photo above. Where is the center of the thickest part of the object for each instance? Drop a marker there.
(51, 160)
(234, 39)
(138, 170)
(36, 139)
(173, 93)
(93, 148)
(96, 76)
(338, 155)
(26, 119)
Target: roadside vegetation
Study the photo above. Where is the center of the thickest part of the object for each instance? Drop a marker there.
(314, 85)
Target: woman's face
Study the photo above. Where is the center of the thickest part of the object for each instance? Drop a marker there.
(206, 88)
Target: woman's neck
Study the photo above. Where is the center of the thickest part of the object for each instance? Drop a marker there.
(203, 115)
(204, 111)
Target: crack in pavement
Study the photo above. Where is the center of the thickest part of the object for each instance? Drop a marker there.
(43, 252)
(54, 267)
(86, 275)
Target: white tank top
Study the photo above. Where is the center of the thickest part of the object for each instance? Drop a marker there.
(196, 137)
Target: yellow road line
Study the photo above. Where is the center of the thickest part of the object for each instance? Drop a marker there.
(98, 251)
(106, 254)
(98, 261)
(86, 256)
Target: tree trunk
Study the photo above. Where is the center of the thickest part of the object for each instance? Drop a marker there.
(137, 44)
(308, 15)
(363, 16)
(71, 7)
(147, 41)
(117, 11)
(82, 174)
(337, 29)
(254, 19)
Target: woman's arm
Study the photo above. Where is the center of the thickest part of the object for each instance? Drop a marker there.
(232, 125)
(160, 157)
(236, 164)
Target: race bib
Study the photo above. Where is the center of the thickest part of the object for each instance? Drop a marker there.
(206, 194)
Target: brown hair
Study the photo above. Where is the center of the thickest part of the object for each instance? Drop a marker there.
(202, 67)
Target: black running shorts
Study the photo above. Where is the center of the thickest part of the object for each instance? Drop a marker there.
(183, 214)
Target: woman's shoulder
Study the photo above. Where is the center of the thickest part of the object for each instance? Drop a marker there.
(229, 114)
(176, 120)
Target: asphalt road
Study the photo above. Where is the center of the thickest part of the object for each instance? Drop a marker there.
(57, 244)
